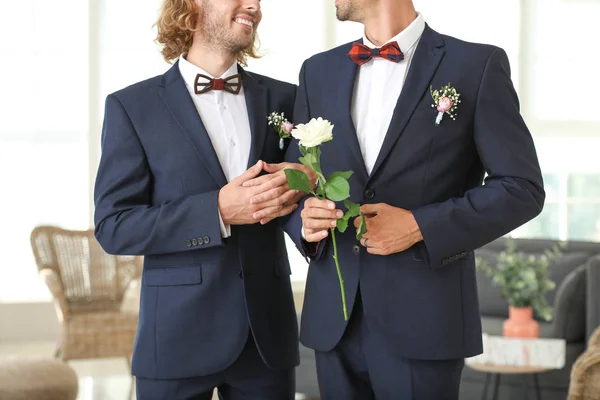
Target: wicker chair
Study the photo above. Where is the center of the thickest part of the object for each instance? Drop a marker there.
(88, 286)
(585, 375)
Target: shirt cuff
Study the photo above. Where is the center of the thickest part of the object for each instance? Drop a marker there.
(311, 249)
(225, 229)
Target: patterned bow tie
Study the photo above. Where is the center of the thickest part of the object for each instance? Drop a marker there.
(362, 54)
(231, 84)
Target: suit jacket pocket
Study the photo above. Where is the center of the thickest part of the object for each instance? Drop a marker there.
(173, 276)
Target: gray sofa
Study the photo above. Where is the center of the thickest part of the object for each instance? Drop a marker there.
(576, 301)
(576, 313)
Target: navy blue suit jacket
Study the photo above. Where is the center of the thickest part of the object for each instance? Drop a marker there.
(156, 195)
(422, 302)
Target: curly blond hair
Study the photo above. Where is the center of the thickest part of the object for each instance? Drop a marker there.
(176, 26)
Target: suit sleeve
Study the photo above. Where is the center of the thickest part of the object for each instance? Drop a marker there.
(513, 191)
(292, 223)
(126, 220)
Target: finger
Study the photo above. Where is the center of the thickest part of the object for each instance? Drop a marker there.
(271, 168)
(320, 213)
(319, 224)
(281, 201)
(290, 197)
(363, 241)
(258, 181)
(269, 195)
(276, 182)
(376, 251)
(357, 222)
(275, 212)
(313, 202)
(371, 209)
(369, 242)
(265, 221)
(286, 210)
(251, 173)
(315, 237)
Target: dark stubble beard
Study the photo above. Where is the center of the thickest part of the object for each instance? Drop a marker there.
(347, 11)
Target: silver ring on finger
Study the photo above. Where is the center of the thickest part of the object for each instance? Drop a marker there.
(366, 240)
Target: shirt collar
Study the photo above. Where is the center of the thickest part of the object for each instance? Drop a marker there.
(189, 71)
(407, 38)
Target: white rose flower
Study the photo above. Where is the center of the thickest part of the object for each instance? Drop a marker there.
(316, 132)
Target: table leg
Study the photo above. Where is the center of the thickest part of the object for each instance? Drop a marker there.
(525, 386)
(485, 387)
(496, 387)
(538, 395)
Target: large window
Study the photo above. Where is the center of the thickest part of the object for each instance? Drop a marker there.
(572, 183)
(60, 64)
(43, 132)
(557, 100)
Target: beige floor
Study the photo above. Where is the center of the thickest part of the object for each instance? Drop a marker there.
(98, 379)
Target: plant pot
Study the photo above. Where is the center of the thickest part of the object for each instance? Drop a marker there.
(520, 323)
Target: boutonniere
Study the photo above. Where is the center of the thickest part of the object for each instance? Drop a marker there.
(446, 101)
(282, 126)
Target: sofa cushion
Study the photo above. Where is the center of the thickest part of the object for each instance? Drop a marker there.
(569, 312)
(491, 302)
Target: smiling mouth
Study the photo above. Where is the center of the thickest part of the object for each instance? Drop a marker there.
(244, 21)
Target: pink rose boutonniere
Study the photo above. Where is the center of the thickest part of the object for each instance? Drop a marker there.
(282, 126)
(446, 101)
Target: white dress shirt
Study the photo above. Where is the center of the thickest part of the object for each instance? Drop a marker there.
(376, 90)
(226, 120)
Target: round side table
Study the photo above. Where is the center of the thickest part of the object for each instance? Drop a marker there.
(496, 371)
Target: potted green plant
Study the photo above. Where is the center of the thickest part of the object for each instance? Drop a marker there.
(524, 281)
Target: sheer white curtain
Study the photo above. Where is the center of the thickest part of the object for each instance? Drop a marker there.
(43, 132)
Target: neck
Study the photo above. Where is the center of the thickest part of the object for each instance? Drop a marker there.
(387, 19)
(215, 61)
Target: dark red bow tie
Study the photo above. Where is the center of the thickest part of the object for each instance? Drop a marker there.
(231, 84)
(362, 54)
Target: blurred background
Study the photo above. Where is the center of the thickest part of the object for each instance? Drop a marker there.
(60, 59)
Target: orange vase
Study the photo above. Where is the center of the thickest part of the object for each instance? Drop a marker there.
(520, 323)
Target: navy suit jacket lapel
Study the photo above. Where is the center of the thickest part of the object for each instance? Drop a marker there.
(177, 98)
(427, 57)
(256, 96)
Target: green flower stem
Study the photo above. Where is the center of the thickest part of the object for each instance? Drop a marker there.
(339, 272)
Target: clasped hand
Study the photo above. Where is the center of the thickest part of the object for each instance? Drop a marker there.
(249, 199)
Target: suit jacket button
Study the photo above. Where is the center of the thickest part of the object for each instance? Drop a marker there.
(206, 240)
(194, 242)
(356, 249)
(369, 194)
(188, 243)
(200, 242)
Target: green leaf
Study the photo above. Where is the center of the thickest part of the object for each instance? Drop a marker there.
(342, 225)
(308, 160)
(353, 209)
(362, 228)
(297, 180)
(346, 175)
(337, 189)
(303, 150)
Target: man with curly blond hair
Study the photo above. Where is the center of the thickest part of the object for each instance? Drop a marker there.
(216, 304)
